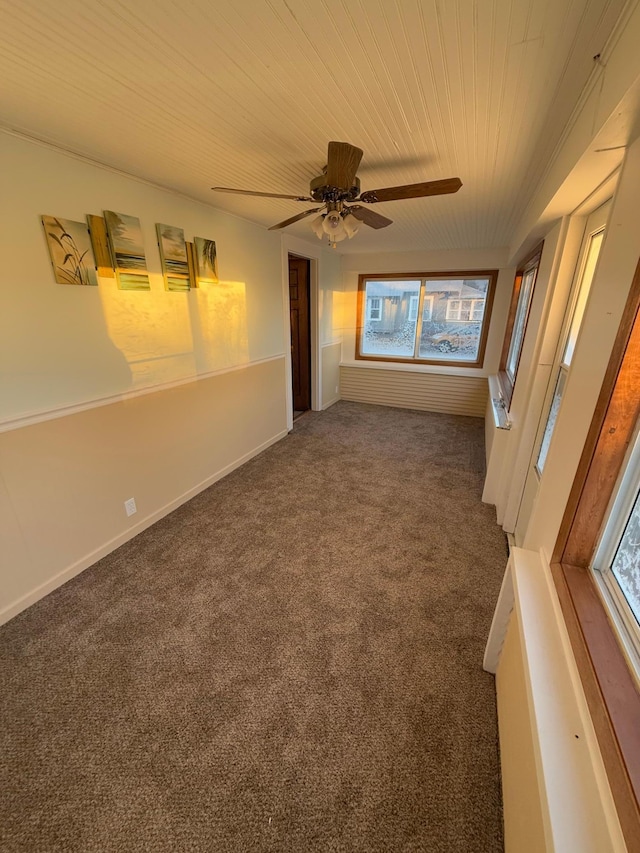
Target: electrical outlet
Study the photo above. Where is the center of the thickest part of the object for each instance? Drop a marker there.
(130, 506)
(337, 389)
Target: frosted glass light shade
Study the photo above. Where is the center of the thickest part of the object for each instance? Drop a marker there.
(316, 225)
(350, 224)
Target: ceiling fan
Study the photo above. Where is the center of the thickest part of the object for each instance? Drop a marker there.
(338, 188)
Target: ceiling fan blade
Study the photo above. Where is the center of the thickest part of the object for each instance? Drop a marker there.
(448, 185)
(369, 217)
(295, 218)
(262, 195)
(342, 164)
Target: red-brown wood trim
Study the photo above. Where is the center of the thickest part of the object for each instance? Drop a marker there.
(611, 430)
(492, 275)
(610, 689)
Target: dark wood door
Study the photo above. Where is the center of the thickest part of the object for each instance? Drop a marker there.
(300, 333)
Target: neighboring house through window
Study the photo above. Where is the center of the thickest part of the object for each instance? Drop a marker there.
(373, 308)
(430, 318)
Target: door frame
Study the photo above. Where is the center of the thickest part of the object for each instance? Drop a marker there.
(301, 249)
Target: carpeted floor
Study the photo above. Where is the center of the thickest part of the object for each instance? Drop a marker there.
(290, 662)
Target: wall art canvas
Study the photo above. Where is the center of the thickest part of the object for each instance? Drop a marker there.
(173, 254)
(70, 251)
(206, 259)
(100, 245)
(127, 249)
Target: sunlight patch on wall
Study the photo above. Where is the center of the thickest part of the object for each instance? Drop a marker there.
(336, 312)
(220, 325)
(166, 336)
(152, 330)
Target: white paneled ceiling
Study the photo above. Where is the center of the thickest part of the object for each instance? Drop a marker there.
(195, 93)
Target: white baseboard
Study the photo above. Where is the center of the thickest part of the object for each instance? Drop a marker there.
(330, 402)
(83, 563)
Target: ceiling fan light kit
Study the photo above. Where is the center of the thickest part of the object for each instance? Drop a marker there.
(339, 184)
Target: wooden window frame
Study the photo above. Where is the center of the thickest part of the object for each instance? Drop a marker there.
(611, 689)
(531, 261)
(478, 362)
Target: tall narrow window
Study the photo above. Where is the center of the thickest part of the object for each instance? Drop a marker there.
(520, 322)
(586, 268)
(517, 323)
(439, 318)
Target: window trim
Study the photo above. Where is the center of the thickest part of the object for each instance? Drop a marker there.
(478, 362)
(610, 686)
(530, 262)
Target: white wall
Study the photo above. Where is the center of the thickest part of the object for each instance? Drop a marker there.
(107, 394)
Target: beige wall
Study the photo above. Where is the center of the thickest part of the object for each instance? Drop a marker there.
(331, 373)
(65, 480)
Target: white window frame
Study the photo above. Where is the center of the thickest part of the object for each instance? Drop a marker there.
(562, 366)
(626, 623)
(454, 313)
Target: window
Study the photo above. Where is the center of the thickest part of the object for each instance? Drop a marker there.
(427, 318)
(413, 307)
(373, 308)
(586, 270)
(517, 321)
(466, 309)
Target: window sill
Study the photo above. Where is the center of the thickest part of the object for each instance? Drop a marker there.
(576, 799)
(611, 691)
(371, 363)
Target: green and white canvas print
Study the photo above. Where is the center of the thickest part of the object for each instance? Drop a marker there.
(173, 254)
(70, 250)
(127, 248)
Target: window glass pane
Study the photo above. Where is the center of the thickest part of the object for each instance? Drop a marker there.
(551, 420)
(389, 326)
(413, 308)
(585, 285)
(427, 309)
(519, 323)
(451, 328)
(626, 563)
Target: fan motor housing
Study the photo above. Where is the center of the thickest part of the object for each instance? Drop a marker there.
(320, 191)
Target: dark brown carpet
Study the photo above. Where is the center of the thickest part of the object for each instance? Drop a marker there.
(290, 662)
